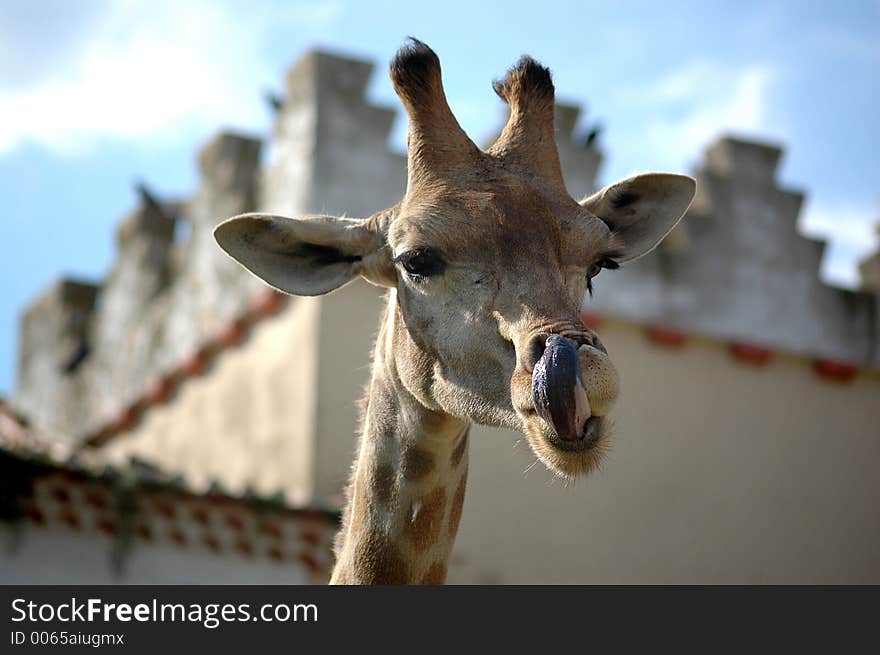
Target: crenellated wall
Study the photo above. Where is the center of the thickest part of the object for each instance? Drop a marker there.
(731, 461)
(744, 273)
(161, 300)
(869, 269)
(55, 345)
(737, 269)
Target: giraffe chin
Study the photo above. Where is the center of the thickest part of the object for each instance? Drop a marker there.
(569, 458)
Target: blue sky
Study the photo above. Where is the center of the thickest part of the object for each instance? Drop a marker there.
(97, 94)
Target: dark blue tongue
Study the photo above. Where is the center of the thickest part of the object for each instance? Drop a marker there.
(558, 391)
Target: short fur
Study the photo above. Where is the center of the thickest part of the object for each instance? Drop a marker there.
(415, 74)
(528, 82)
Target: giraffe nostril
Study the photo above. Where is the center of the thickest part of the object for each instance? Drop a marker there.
(536, 347)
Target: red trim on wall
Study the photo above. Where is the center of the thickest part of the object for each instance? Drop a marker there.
(126, 419)
(271, 530)
(160, 390)
(97, 499)
(312, 563)
(235, 522)
(231, 334)
(144, 532)
(751, 354)
(106, 525)
(666, 336)
(311, 515)
(267, 303)
(70, 518)
(201, 515)
(102, 436)
(195, 363)
(165, 508)
(836, 371)
(60, 494)
(311, 538)
(35, 516)
(176, 535)
(70, 498)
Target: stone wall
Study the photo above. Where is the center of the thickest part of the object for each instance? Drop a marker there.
(727, 464)
(54, 344)
(869, 270)
(745, 273)
(161, 300)
(720, 471)
(737, 269)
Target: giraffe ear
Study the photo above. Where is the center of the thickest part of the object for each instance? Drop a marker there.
(306, 256)
(641, 210)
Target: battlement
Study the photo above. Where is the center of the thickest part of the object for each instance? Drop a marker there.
(579, 160)
(55, 326)
(734, 158)
(747, 274)
(151, 222)
(55, 344)
(228, 180)
(65, 294)
(231, 156)
(869, 269)
(737, 269)
(330, 149)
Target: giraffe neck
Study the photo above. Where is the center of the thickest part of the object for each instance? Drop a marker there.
(408, 482)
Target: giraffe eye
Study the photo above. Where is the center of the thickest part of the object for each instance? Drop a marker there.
(596, 268)
(599, 264)
(420, 264)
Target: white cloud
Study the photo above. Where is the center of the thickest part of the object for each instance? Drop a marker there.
(148, 71)
(691, 106)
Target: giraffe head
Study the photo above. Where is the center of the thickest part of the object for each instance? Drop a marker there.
(489, 259)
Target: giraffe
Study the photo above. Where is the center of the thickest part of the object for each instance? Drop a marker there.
(487, 260)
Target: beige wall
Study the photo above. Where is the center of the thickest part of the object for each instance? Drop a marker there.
(57, 555)
(248, 421)
(719, 472)
(348, 327)
(265, 416)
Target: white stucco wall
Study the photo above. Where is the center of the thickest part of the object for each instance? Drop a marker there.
(59, 555)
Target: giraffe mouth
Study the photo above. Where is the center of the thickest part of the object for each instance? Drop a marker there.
(591, 435)
(569, 458)
(565, 421)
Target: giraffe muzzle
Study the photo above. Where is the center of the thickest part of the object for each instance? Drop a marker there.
(558, 389)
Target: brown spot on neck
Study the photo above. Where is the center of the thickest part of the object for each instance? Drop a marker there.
(417, 463)
(434, 421)
(424, 527)
(457, 506)
(436, 574)
(379, 561)
(382, 481)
